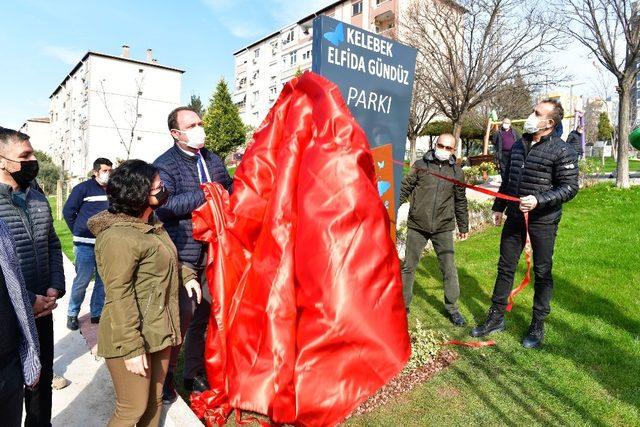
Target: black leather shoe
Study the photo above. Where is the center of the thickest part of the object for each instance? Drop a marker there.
(535, 336)
(169, 394)
(494, 323)
(95, 320)
(457, 319)
(199, 383)
(72, 323)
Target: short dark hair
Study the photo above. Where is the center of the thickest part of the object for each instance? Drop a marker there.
(172, 120)
(129, 186)
(10, 135)
(558, 111)
(101, 161)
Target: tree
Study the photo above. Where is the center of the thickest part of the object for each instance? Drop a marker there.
(610, 30)
(421, 113)
(605, 128)
(224, 128)
(196, 104)
(130, 116)
(514, 100)
(49, 173)
(471, 53)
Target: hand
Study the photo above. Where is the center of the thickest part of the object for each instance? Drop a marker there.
(497, 218)
(51, 292)
(43, 306)
(194, 287)
(528, 203)
(463, 236)
(137, 365)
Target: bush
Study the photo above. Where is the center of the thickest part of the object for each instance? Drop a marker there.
(590, 172)
(425, 344)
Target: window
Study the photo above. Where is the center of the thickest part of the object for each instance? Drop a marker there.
(242, 82)
(140, 70)
(139, 115)
(356, 8)
(272, 93)
(256, 74)
(139, 138)
(274, 48)
(306, 55)
(288, 37)
(379, 2)
(257, 53)
(294, 57)
(256, 95)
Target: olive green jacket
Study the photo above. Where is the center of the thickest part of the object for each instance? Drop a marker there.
(138, 264)
(435, 205)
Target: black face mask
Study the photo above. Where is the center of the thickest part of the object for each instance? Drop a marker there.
(27, 173)
(161, 197)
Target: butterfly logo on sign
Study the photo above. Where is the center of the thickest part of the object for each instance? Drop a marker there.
(336, 36)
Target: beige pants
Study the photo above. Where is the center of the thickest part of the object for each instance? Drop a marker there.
(138, 399)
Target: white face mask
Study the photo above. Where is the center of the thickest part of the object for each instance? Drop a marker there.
(532, 125)
(103, 178)
(506, 126)
(441, 154)
(195, 136)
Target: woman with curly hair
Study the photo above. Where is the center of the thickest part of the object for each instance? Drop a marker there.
(139, 266)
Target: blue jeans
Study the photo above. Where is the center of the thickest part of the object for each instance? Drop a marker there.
(85, 268)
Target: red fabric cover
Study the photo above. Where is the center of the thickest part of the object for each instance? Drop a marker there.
(307, 316)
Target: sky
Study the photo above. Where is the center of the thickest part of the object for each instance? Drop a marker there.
(41, 41)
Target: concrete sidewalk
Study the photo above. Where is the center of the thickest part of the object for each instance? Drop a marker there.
(89, 400)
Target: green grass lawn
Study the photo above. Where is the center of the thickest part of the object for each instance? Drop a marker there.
(63, 232)
(610, 165)
(588, 371)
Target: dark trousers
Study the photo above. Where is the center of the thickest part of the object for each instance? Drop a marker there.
(38, 400)
(543, 237)
(194, 319)
(11, 390)
(443, 245)
(503, 164)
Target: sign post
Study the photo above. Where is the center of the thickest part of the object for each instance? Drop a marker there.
(375, 75)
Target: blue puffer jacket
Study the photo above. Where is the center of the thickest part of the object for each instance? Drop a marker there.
(179, 174)
(86, 199)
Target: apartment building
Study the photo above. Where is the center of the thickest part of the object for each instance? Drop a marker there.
(263, 67)
(112, 106)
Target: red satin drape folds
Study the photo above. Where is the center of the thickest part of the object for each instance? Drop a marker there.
(307, 317)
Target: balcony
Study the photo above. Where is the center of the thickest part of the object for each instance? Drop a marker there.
(389, 33)
(382, 8)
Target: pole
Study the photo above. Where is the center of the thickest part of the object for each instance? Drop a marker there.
(485, 142)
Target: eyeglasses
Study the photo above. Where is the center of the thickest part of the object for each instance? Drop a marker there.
(445, 147)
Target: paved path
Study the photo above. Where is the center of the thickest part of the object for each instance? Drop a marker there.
(89, 400)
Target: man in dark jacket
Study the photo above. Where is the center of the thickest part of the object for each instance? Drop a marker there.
(503, 141)
(183, 168)
(575, 140)
(543, 172)
(28, 215)
(86, 200)
(435, 205)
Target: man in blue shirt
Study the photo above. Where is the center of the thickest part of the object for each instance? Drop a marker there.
(86, 200)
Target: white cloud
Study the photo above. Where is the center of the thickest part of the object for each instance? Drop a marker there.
(68, 55)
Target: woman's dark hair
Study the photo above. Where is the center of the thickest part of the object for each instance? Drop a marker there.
(129, 186)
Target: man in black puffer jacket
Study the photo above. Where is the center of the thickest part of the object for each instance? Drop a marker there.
(183, 168)
(26, 212)
(543, 172)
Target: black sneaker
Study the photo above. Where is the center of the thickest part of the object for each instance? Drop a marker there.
(199, 383)
(494, 323)
(457, 319)
(95, 320)
(169, 393)
(72, 323)
(535, 336)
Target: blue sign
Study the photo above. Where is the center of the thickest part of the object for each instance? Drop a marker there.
(375, 75)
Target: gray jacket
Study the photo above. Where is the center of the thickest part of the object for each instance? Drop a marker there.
(37, 244)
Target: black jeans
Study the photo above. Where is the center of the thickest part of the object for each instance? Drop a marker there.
(11, 390)
(38, 400)
(543, 237)
(503, 164)
(194, 319)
